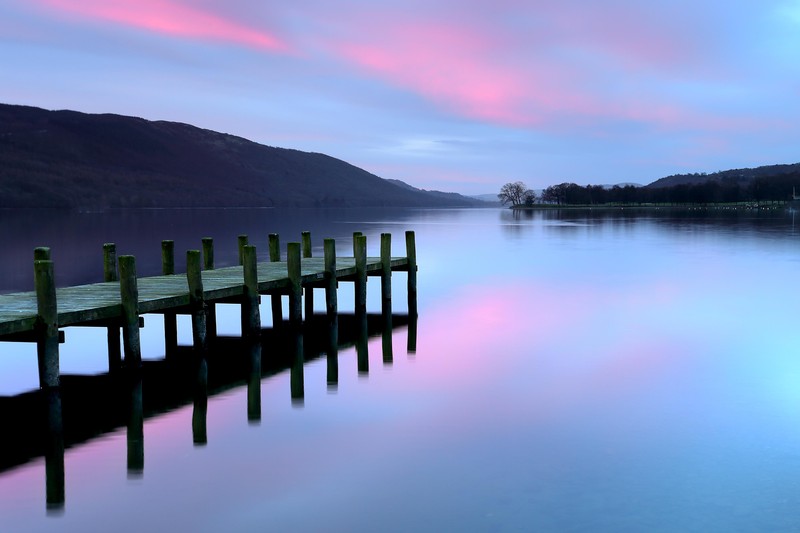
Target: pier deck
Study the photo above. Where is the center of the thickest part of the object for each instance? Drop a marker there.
(119, 301)
(84, 304)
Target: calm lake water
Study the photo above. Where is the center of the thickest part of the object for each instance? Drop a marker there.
(573, 371)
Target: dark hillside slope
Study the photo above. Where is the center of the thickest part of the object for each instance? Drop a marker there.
(71, 159)
(739, 176)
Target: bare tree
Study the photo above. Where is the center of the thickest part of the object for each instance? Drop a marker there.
(516, 193)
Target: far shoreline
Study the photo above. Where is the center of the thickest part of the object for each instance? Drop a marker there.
(765, 204)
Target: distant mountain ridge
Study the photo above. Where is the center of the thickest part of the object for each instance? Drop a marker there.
(741, 176)
(72, 159)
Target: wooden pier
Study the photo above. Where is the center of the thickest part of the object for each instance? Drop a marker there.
(119, 301)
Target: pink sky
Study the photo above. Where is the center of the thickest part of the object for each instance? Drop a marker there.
(543, 92)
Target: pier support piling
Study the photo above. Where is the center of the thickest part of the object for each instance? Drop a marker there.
(251, 316)
(331, 300)
(170, 319)
(194, 278)
(242, 244)
(386, 274)
(295, 285)
(211, 309)
(309, 291)
(274, 257)
(411, 254)
(47, 322)
(41, 253)
(361, 274)
(129, 294)
(112, 332)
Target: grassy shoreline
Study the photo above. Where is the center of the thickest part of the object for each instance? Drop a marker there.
(765, 204)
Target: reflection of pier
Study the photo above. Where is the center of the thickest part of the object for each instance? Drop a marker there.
(45, 422)
(122, 298)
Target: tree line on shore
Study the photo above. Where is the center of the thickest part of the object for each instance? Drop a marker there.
(728, 190)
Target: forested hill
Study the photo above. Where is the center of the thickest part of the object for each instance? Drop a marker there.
(741, 176)
(71, 159)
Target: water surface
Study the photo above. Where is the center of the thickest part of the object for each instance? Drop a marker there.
(574, 371)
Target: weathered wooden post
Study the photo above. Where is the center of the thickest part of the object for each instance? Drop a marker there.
(242, 244)
(331, 299)
(254, 384)
(309, 291)
(274, 257)
(194, 278)
(170, 319)
(208, 253)
(295, 284)
(211, 309)
(129, 294)
(356, 235)
(251, 316)
(411, 254)
(41, 253)
(112, 334)
(135, 436)
(361, 274)
(47, 320)
(386, 274)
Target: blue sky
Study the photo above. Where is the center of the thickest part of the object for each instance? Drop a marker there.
(451, 95)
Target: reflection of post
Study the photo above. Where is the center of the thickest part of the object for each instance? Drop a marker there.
(362, 339)
(412, 334)
(333, 353)
(411, 254)
(112, 334)
(54, 456)
(386, 273)
(170, 320)
(386, 337)
(200, 409)
(211, 309)
(136, 428)
(274, 257)
(296, 372)
(254, 383)
(195, 280)
(309, 296)
(361, 274)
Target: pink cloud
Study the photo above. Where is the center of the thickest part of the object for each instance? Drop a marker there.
(170, 17)
(554, 65)
(442, 63)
